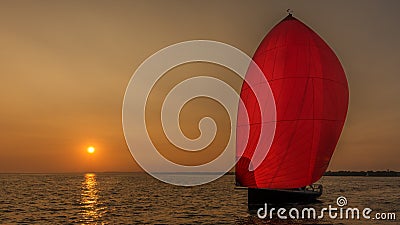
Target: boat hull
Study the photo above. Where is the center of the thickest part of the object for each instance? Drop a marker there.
(257, 197)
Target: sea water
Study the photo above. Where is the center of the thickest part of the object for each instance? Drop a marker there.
(137, 198)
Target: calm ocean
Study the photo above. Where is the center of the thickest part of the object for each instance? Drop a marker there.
(136, 198)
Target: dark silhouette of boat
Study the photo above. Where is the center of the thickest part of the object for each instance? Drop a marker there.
(257, 197)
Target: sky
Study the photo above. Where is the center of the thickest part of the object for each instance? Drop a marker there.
(64, 67)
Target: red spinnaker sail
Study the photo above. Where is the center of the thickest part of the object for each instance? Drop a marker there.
(311, 96)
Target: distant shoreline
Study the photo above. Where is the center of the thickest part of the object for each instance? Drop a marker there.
(363, 173)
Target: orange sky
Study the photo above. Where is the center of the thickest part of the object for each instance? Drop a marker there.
(64, 67)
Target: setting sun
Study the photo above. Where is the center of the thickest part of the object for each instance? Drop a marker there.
(91, 150)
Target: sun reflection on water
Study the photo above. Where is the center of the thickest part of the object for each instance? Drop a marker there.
(91, 208)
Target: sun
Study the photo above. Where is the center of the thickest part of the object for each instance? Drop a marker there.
(91, 150)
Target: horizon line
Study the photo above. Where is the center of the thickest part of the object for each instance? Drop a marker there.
(230, 172)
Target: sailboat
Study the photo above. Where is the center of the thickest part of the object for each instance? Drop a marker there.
(311, 96)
